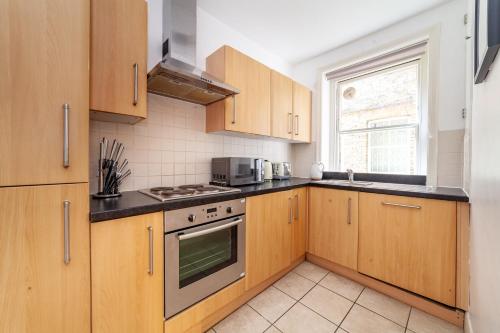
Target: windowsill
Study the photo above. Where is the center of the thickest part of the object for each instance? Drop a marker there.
(379, 177)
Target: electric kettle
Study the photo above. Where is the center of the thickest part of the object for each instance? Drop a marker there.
(317, 171)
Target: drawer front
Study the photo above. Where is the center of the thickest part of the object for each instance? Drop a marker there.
(410, 243)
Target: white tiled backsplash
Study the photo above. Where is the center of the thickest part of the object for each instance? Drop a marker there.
(171, 147)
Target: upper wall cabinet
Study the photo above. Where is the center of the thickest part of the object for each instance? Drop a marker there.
(290, 109)
(268, 104)
(118, 60)
(250, 110)
(44, 94)
(301, 113)
(281, 106)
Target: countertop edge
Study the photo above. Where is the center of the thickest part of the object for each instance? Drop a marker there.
(152, 206)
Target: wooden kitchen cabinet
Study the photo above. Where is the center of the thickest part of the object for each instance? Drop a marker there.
(44, 52)
(410, 243)
(302, 113)
(249, 111)
(118, 60)
(333, 225)
(281, 106)
(268, 236)
(127, 290)
(299, 223)
(44, 276)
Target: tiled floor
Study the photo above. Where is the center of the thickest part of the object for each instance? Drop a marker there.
(313, 300)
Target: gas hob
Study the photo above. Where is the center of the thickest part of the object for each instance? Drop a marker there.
(186, 191)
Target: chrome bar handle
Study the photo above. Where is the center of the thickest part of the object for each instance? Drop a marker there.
(65, 135)
(401, 205)
(297, 127)
(234, 110)
(290, 123)
(296, 207)
(290, 211)
(67, 254)
(151, 252)
(183, 236)
(136, 83)
(349, 211)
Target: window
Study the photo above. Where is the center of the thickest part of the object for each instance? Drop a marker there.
(377, 120)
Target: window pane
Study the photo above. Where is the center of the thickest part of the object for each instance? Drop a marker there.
(384, 95)
(380, 151)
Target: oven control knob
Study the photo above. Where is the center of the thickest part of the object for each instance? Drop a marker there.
(191, 217)
(229, 210)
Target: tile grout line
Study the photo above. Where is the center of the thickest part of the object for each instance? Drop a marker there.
(343, 319)
(378, 314)
(408, 320)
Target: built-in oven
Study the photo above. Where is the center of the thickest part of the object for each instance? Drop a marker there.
(204, 252)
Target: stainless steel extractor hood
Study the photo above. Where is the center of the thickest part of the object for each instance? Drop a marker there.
(176, 75)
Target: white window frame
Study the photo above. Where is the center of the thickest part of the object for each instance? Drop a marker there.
(422, 142)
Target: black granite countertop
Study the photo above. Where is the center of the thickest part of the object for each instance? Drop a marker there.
(135, 203)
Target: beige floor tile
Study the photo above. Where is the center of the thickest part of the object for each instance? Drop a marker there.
(272, 303)
(339, 330)
(385, 306)
(300, 319)
(294, 285)
(342, 286)
(327, 303)
(361, 320)
(272, 329)
(421, 322)
(311, 271)
(243, 320)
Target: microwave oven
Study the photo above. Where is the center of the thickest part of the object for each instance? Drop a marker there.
(237, 171)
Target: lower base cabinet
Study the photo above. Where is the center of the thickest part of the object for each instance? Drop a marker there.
(276, 233)
(127, 275)
(44, 259)
(410, 243)
(333, 225)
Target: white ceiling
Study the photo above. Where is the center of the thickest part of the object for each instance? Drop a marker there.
(299, 29)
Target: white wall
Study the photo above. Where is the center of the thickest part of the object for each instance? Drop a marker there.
(448, 21)
(485, 208)
(211, 34)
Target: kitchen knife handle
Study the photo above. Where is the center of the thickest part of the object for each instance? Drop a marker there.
(151, 248)
(136, 83)
(290, 122)
(65, 135)
(67, 253)
(234, 110)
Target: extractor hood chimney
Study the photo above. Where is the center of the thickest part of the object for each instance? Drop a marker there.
(176, 75)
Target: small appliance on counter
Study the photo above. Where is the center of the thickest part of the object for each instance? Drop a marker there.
(237, 171)
(282, 170)
(317, 171)
(268, 171)
(111, 172)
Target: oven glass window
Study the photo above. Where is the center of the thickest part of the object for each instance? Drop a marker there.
(204, 255)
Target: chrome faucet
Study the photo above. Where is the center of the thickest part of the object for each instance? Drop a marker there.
(350, 175)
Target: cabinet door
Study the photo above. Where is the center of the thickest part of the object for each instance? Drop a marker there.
(268, 235)
(44, 259)
(118, 61)
(301, 113)
(333, 225)
(299, 223)
(409, 242)
(127, 291)
(250, 110)
(44, 52)
(281, 106)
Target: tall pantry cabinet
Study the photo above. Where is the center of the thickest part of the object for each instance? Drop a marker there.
(44, 228)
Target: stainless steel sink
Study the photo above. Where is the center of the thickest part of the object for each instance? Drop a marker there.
(344, 182)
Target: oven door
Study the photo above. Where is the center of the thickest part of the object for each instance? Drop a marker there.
(202, 260)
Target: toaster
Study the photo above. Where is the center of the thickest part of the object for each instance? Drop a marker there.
(282, 170)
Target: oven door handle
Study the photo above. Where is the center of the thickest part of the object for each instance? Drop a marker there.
(209, 231)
